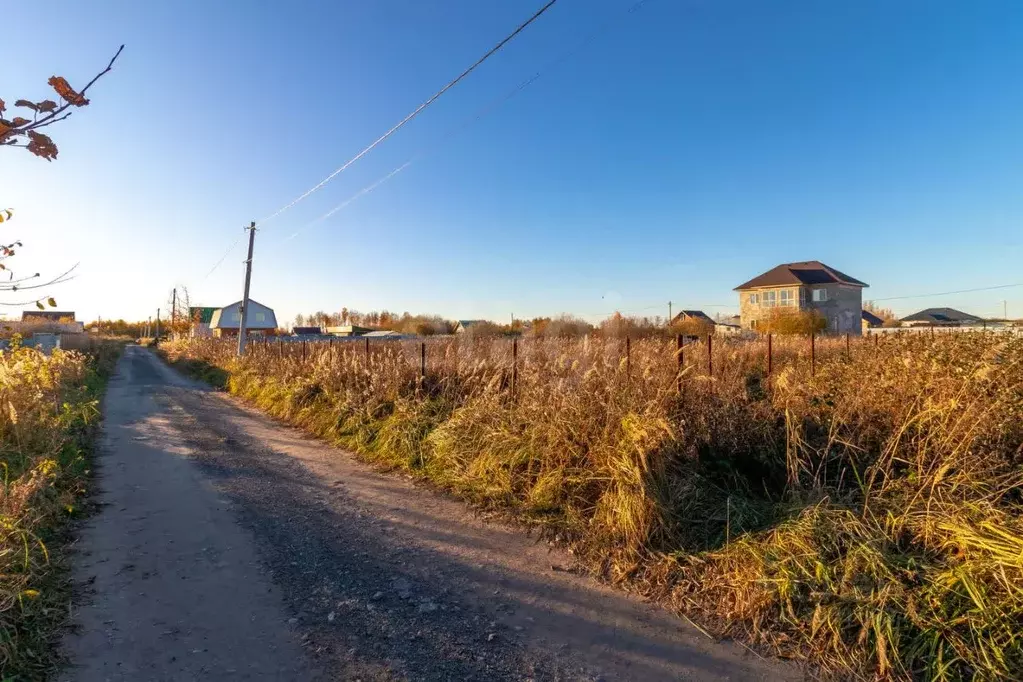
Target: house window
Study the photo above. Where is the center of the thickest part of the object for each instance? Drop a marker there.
(754, 299)
(260, 317)
(770, 298)
(236, 317)
(820, 295)
(785, 297)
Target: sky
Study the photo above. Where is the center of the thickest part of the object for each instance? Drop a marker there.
(668, 153)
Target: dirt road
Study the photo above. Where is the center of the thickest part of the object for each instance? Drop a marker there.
(230, 547)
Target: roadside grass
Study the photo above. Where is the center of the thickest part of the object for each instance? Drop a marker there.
(863, 518)
(49, 407)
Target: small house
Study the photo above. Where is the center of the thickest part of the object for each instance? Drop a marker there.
(941, 317)
(348, 330)
(464, 325)
(199, 318)
(870, 320)
(259, 320)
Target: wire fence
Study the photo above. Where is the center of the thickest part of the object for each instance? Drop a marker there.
(433, 364)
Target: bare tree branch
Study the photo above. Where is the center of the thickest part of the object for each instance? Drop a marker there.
(60, 113)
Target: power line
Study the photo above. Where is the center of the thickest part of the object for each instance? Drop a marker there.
(948, 293)
(221, 260)
(416, 112)
(483, 112)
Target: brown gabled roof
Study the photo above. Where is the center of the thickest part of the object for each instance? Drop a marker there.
(692, 314)
(806, 272)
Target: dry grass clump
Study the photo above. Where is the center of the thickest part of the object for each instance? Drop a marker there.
(46, 406)
(861, 513)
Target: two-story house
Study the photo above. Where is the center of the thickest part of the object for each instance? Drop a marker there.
(810, 285)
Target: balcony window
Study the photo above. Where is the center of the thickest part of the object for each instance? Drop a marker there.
(770, 298)
(785, 297)
(820, 295)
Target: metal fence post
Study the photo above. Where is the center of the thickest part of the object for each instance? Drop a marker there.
(628, 357)
(678, 360)
(515, 365)
(813, 353)
(280, 347)
(710, 355)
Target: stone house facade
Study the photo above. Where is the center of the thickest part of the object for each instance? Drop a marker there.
(809, 285)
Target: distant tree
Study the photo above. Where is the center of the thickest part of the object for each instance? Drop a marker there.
(620, 326)
(117, 328)
(179, 322)
(781, 321)
(886, 314)
(692, 326)
(563, 326)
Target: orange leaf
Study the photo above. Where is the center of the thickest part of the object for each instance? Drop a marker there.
(65, 90)
(2, 106)
(19, 121)
(46, 106)
(41, 145)
(27, 104)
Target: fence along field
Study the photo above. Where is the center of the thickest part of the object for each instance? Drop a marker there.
(860, 512)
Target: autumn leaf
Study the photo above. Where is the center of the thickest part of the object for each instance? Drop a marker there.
(41, 145)
(39, 304)
(46, 106)
(6, 214)
(3, 106)
(65, 90)
(19, 121)
(25, 103)
(4, 129)
(52, 301)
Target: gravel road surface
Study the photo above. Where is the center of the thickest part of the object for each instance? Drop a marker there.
(228, 546)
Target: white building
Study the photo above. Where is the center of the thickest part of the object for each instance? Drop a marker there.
(259, 319)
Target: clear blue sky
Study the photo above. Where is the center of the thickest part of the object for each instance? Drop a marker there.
(687, 148)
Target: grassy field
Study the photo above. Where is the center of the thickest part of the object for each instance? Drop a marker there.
(48, 406)
(862, 515)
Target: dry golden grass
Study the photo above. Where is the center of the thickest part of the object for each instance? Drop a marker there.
(46, 406)
(864, 518)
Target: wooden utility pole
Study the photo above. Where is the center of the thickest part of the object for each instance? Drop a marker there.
(245, 293)
(174, 309)
(157, 337)
(669, 313)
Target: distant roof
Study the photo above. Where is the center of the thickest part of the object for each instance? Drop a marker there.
(871, 318)
(805, 272)
(469, 323)
(693, 314)
(305, 331)
(379, 334)
(201, 314)
(47, 314)
(941, 315)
